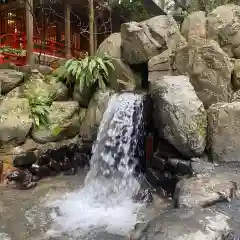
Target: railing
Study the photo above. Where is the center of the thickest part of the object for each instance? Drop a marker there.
(43, 47)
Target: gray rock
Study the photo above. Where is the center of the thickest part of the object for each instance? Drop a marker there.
(122, 77)
(184, 224)
(63, 116)
(209, 69)
(236, 96)
(224, 131)
(179, 115)
(144, 40)
(111, 46)
(15, 120)
(95, 111)
(203, 190)
(9, 79)
(38, 84)
(194, 25)
(202, 165)
(159, 66)
(223, 25)
(83, 97)
(236, 75)
(24, 159)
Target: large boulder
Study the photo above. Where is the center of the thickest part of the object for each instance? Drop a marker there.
(224, 27)
(224, 131)
(95, 111)
(179, 115)
(111, 46)
(209, 69)
(64, 122)
(38, 84)
(122, 77)
(15, 120)
(194, 25)
(144, 40)
(9, 79)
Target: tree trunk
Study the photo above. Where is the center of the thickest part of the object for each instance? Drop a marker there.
(91, 28)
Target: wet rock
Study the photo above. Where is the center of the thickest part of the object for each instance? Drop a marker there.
(167, 150)
(96, 108)
(144, 40)
(24, 159)
(224, 131)
(15, 120)
(194, 25)
(202, 166)
(224, 26)
(182, 224)
(204, 190)
(144, 196)
(9, 79)
(209, 69)
(165, 182)
(62, 115)
(179, 115)
(22, 178)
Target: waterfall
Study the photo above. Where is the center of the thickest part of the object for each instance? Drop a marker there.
(105, 200)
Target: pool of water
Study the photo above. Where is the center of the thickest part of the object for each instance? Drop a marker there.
(60, 208)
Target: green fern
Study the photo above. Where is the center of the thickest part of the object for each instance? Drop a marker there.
(40, 107)
(89, 71)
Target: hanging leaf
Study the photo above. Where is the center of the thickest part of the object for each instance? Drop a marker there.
(107, 62)
(101, 63)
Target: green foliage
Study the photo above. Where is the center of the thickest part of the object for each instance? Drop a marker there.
(132, 10)
(7, 49)
(89, 71)
(40, 104)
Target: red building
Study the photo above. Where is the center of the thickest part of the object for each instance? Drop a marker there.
(50, 28)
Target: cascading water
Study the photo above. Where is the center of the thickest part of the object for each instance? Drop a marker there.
(105, 203)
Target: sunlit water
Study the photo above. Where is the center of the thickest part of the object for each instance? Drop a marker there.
(104, 203)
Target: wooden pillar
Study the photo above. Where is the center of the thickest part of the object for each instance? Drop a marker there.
(68, 30)
(29, 31)
(91, 27)
(95, 36)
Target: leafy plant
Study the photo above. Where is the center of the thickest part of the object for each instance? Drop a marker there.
(134, 10)
(90, 70)
(7, 49)
(40, 104)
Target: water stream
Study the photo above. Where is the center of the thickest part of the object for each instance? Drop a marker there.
(104, 203)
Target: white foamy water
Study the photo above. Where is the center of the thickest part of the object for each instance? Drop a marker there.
(104, 202)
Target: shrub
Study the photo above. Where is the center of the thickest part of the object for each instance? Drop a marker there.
(88, 71)
(40, 104)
